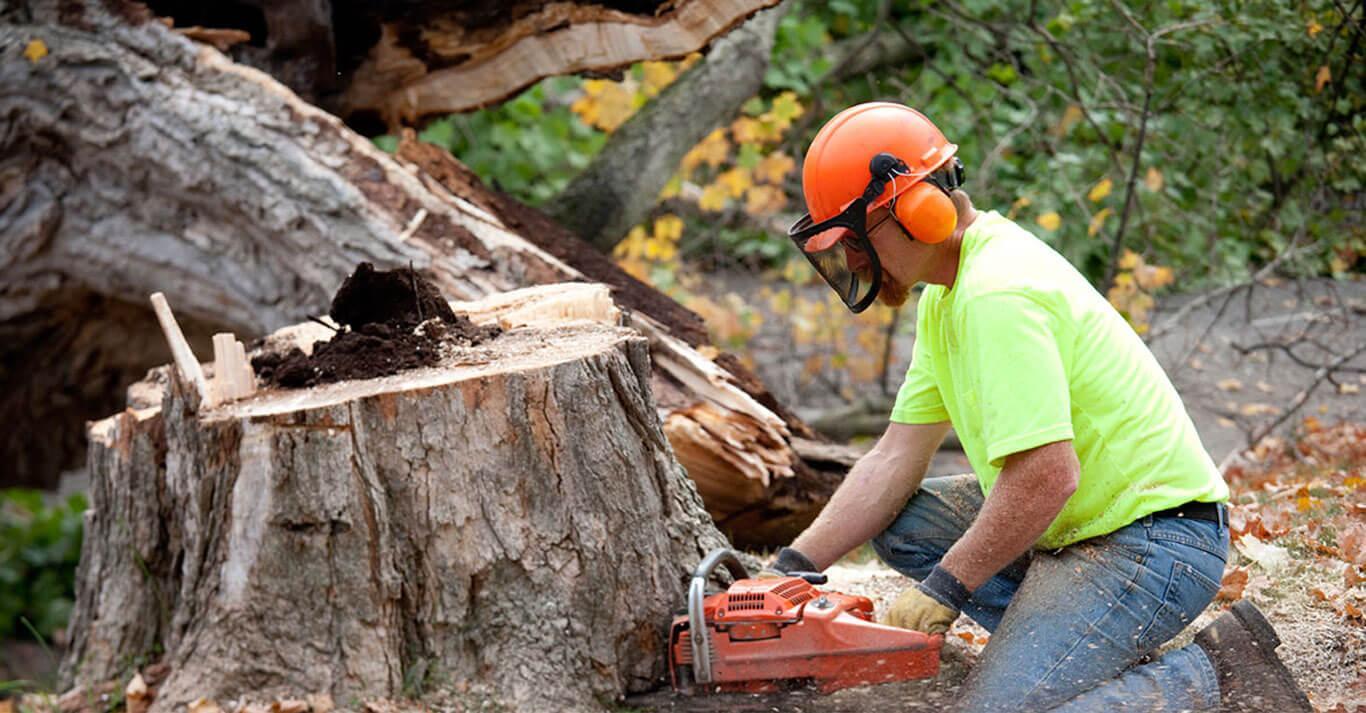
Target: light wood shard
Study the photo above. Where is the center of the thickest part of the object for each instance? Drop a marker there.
(185, 361)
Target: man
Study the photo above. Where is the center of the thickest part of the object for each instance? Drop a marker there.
(1094, 529)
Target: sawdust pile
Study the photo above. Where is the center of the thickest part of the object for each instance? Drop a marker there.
(392, 320)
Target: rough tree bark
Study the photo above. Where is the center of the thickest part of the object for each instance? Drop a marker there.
(617, 190)
(133, 160)
(511, 522)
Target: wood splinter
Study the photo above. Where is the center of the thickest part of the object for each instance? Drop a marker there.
(233, 378)
(184, 357)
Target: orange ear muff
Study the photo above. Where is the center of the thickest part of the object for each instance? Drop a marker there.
(926, 213)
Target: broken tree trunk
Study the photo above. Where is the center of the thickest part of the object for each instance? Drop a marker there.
(402, 61)
(133, 160)
(508, 526)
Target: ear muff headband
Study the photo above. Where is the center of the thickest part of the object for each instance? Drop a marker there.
(925, 210)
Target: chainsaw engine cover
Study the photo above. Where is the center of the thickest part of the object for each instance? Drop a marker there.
(765, 631)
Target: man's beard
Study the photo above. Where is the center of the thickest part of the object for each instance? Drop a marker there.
(892, 293)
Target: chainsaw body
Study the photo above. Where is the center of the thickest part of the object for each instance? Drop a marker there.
(762, 632)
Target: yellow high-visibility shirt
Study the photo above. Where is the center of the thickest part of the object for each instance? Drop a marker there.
(1022, 352)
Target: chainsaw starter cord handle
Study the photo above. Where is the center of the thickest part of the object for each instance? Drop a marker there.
(945, 588)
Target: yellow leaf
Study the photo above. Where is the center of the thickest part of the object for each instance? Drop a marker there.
(1324, 76)
(668, 227)
(35, 50)
(1070, 117)
(1314, 28)
(713, 198)
(1153, 180)
(1100, 190)
(708, 352)
(672, 188)
(774, 167)
(764, 200)
(736, 181)
(712, 151)
(1098, 221)
(786, 108)
(605, 104)
(657, 76)
(1049, 221)
(1130, 260)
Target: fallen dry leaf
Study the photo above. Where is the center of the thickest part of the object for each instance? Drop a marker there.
(320, 703)
(1256, 409)
(7, 705)
(1351, 576)
(1230, 385)
(204, 705)
(1235, 580)
(1268, 557)
(289, 705)
(1352, 544)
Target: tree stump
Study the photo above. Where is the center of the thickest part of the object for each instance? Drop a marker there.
(510, 525)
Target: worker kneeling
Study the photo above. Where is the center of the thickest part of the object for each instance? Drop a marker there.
(1095, 527)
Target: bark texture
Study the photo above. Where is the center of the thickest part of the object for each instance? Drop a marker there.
(133, 160)
(512, 521)
(622, 184)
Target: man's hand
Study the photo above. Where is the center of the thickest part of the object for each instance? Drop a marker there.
(918, 611)
(785, 564)
(930, 606)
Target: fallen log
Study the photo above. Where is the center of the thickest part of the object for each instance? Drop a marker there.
(508, 526)
(141, 161)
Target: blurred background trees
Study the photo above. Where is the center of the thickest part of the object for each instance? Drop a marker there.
(1158, 145)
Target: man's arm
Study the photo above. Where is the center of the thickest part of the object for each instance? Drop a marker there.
(1031, 490)
(873, 493)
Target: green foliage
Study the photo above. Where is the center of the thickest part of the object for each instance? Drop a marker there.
(1252, 138)
(40, 546)
(529, 146)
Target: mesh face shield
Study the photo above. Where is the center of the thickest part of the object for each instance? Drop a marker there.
(839, 250)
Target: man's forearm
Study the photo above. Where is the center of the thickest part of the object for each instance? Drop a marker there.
(1030, 492)
(872, 494)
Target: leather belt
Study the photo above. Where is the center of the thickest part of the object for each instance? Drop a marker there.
(1209, 512)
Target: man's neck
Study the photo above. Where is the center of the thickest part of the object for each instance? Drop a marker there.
(946, 272)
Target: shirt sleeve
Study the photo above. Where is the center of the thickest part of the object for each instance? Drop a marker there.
(1018, 372)
(918, 401)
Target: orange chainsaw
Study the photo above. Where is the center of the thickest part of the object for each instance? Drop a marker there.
(761, 633)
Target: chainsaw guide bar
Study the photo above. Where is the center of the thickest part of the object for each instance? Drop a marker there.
(762, 634)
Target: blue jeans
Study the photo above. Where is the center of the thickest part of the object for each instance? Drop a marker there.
(1072, 629)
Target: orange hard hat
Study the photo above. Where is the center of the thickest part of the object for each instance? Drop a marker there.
(836, 168)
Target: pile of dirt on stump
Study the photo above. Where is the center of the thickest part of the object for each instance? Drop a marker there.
(391, 320)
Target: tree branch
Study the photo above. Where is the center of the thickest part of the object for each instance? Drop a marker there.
(622, 184)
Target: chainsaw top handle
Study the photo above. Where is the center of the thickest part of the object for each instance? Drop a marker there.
(697, 623)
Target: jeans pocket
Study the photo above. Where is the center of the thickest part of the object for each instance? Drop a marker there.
(1187, 594)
